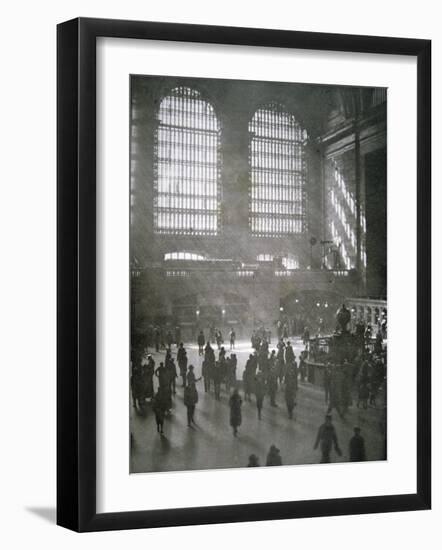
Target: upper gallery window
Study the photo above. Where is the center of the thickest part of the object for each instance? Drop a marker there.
(187, 161)
(277, 172)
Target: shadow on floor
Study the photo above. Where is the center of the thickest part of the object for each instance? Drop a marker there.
(48, 514)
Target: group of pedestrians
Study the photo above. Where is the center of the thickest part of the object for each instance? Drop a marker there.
(364, 378)
(266, 372)
(273, 458)
(327, 440)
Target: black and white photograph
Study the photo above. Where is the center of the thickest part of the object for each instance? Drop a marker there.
(258, 274)
(220, 227)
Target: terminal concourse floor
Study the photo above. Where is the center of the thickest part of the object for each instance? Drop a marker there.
(210, 442)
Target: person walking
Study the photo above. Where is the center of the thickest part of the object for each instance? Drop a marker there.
(172, 375)
(274, 457)
(159, 408)
(232, 338)
(357, 446)
(191, 378)
(306, 336)
(147, 374)
(219, 338)
(201, 341)
(290, 394)
(190, 400)
(363, 395)
(235, 403)
(247, 378)
(303, 366)
(136, 383)
(162, 375)
(217, 379)
(289, 353)
(272, 385)
(182, 362)
(205, 371)
(232, 371)
(253, 461)
(260, 391)
(327, 438)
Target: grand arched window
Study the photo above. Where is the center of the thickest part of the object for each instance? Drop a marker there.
(187, 194)
(277, 172)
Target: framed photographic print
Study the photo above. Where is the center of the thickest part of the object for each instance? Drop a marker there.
(243, 274)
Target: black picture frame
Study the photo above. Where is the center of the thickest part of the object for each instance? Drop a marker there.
(77, 287)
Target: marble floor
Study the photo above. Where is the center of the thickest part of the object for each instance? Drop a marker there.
(211, 444)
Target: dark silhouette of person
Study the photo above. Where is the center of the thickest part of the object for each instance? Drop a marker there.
(219, 339)
(357, 446)
(247, 378)
(190, 400)
(159, 407)
(147, 374)
(272, 385)
(289, 353)
(327, 438)
(235, 403)
(172, 375)
(253, 461)
(231, 371)
(182, 362)
(217, 378)
(201, 341)
(191, 378)
(290, 394)
(162, 375)
(206, 373)
(260, 391)
(136, 383)
(273, 457)
(232, 336)
(306, 336)
(302, 367)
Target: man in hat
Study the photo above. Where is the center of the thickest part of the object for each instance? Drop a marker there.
(190, 401)
(327, 438)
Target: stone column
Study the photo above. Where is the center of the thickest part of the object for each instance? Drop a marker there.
(235, 181)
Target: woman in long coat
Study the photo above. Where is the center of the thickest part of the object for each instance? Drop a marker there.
(182, 363)
(235, 403)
